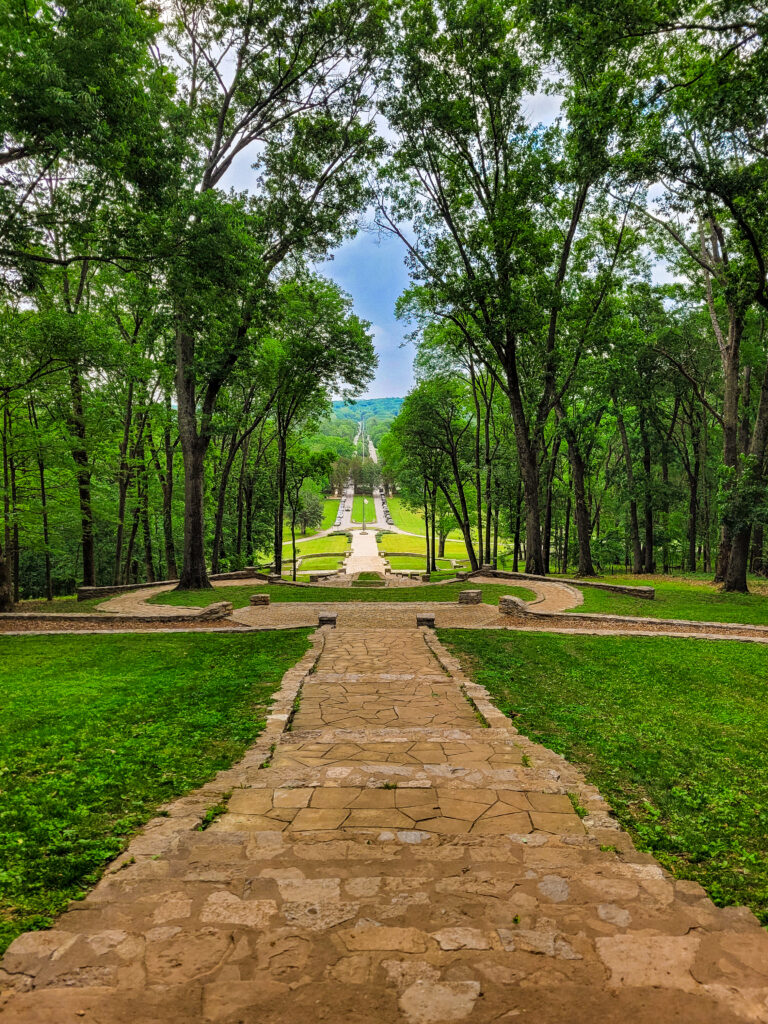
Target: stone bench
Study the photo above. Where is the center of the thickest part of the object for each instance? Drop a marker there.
(259, 599)
(327, 619)
(471, 597)
(425, 619)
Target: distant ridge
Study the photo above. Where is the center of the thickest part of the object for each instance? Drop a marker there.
(381, 408)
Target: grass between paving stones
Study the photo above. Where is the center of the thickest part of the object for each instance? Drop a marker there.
(239, 596)
(678, 599)
(97, 731)
(673, 732)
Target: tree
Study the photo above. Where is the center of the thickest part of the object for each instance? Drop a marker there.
(286, 81)
(497, 206)
(301, 466)
(319, 347)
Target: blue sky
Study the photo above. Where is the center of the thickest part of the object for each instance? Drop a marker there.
(371, 269)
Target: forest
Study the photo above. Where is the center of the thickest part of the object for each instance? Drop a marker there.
(587, 301)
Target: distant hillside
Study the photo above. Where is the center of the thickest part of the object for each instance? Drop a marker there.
(378, 408)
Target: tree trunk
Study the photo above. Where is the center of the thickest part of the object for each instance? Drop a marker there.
(129, 560)
(738, 562)
(6, 581)
(566, 533)
(282, 459)
(223, 478)
(293, 543)
(240, 496)
(692, 517)
(529, 471)
(731, 363)
(426, 523)
(433, 503)
(582, 516)
(463, 515)
(143, 500)
(706, 555)
(43, 504)
(495, 554)
(547, 539)
(647, 498)
(194, 446)
(518, 508)
(478, 483)
(123, 480)
(634, 526)
(14, 545)
(83, 473)
(167, 486)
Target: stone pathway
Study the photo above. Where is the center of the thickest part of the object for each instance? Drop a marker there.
(551, 596)
(365, 555)
(405, 856)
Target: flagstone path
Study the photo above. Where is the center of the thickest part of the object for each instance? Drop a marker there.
(403, 855)
(365, 555)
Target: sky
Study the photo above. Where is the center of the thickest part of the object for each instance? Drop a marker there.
(372, 271)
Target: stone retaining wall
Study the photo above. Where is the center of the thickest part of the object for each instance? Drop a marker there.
(647, 593)
(517, 609)
(87, 593)
(218, 610)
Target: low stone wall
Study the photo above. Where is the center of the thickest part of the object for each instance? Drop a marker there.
(250, 572)
(87, 593)
(519, 610)
(647, 593)
(214, 612)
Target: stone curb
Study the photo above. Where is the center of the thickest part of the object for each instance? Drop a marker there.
(518, 609)
(647, 593)
(565, 777)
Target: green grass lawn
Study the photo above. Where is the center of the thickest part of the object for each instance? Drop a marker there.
(415, 562)
(330, 511)
(403, 518)
(96, 732)
(401, 542)
(239, 596)
(678, 599)
(673, 732)
(357, 509)
(321, 562)
(333, 544)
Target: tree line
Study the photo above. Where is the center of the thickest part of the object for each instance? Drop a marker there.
(168, 344)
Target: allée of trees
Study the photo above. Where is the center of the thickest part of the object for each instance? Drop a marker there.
(168, 346)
